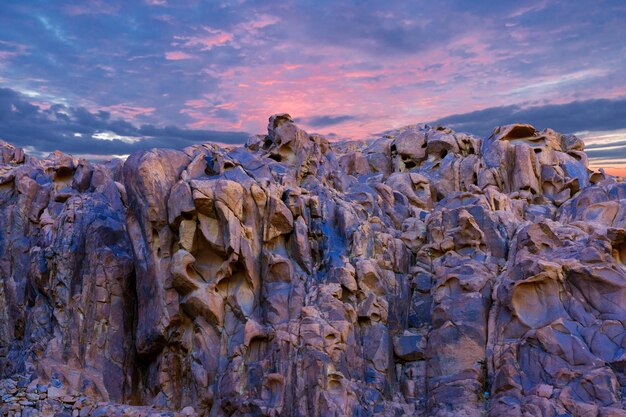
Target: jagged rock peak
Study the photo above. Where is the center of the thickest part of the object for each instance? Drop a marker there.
(427, 272)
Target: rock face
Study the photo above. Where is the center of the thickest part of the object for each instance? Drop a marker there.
(426, 273)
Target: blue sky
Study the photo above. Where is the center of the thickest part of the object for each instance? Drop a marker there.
(102, 78)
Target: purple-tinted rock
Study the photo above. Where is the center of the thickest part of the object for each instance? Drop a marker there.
(427, 272)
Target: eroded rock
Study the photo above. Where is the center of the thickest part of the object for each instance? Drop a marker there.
(426, 272)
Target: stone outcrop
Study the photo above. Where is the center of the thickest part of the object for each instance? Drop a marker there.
(426, 273)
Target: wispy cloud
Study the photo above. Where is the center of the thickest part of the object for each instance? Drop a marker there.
(177, 55)
(54, 29)
(127, 111)
(9, 50)
(559, 81)
(209, 39)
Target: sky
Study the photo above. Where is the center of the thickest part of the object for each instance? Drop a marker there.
(103, 78)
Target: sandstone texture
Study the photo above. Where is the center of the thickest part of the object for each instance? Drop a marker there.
(425, 273)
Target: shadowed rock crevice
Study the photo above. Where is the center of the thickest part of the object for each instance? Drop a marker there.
(426, 272)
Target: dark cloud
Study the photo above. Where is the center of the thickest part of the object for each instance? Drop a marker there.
(71, 129)
(593, 147)
(592, 115)
(324, 120)
(613, 151)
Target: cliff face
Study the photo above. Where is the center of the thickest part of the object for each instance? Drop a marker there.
(424, 273)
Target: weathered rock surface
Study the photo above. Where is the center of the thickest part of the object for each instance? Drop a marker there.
(426, 273)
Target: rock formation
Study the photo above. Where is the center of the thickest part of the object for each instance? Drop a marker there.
(426, 273)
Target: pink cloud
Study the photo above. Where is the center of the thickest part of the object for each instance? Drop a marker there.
(242, 34)
(177, 55)
(527, 9)
(6, 55)
(386, 96)
(203, 111)
(327, 88)
(196, 103)
(470, 72)
(127, 111)
(260, 22)
(43, 105)
(10, 50)
(205, 42)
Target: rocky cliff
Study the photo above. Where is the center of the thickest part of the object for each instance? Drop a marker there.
(426, 273)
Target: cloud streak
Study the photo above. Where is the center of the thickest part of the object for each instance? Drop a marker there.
(325, 120)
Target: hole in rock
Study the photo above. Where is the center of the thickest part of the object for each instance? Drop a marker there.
(18, 330)
(575, 155)
(521, 132)
(537, 150)
(484, 379)
(334, 385)
(528, 188)
(346, 295)
(191, 271)
(443, 154)
(548, 188)
(255, 349)
(267, 143)
(63, 174)
(409, 164)
(276, 157)
(619, 253)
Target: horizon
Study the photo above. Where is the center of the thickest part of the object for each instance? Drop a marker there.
(109, 78)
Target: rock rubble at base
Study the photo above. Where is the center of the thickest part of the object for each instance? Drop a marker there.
(20, 398)
(427, 273)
